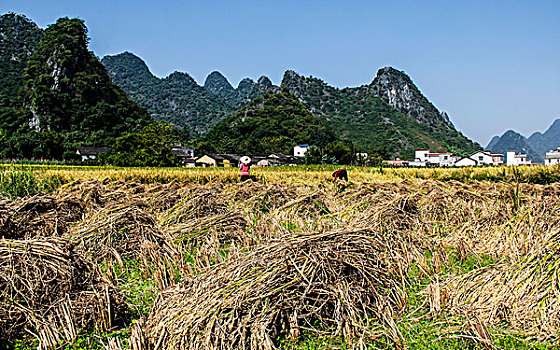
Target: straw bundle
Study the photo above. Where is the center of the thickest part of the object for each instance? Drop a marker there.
(200, 202)
(117, 232)
(524, 294)
(39, 216)
(123, 233)
(329, 282)
(263, 197)
(88, 192)
(226, 227)
(49, 290)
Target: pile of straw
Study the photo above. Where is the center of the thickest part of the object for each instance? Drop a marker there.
(39, 216)
(125, 232)
(50, 291)
(523, 294)
(117, 232)
(263, 197)
(330, 282)
(199, 203)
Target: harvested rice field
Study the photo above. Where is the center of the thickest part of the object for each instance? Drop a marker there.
(156, 259)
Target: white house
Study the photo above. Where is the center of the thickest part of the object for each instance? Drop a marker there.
(466, 162)
(300, 150)
(181, 151)
(498, 158)
(446, 159)
(516, 159)
(433, 159)
(482, 158)
(185, 155)
(361, 156)
(454, 159)
(421, 155)
(552, 157)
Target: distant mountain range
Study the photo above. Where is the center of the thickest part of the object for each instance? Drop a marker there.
(177, 98)
(389, 114)
(535, 146)
(56, 94)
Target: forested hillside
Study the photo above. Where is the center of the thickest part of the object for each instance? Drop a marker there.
(18, 38)
(273, 123)
(67, 99)
(177, 98)
(389, 115)
(57, 94)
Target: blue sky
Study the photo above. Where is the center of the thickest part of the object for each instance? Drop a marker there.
(491, 65)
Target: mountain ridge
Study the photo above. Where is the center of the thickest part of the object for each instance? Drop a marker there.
(514, 141)
(178, 98)
(535, 146)
(65, 97)
(373, 121)
(389, 114)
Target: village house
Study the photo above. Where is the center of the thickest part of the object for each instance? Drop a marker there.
(182, 151)
(441, 159)
(276, 159)
(88, 153)
(423, 157)
(482, 158)
(232, 160)
(209, 160)
(552, 157)
(420, 157)
(361, 156)
(300, 150)
(185, 155)
(466, 161)
(218, 160)
(498, 158)
(514, 159)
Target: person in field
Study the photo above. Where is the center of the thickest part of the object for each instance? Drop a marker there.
(244, 166)
(340, 174)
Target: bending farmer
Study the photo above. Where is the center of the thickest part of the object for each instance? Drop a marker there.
(340, 174)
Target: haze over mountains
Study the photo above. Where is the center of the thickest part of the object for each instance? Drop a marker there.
(535, 146)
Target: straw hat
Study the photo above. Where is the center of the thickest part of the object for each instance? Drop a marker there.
(245, 160)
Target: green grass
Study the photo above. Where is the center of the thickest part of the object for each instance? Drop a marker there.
(21, 181)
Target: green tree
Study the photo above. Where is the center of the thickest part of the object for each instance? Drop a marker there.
(273, 123)
(70, 93)
(149, 147)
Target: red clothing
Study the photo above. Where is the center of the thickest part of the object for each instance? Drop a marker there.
(244, 169)
(341, 174)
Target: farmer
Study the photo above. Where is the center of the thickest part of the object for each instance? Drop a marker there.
(244, 166)
(340, 174)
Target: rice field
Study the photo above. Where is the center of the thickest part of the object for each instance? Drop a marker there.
(125, 258)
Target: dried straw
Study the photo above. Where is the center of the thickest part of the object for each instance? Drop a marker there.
(331, 282)
(50, 291)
